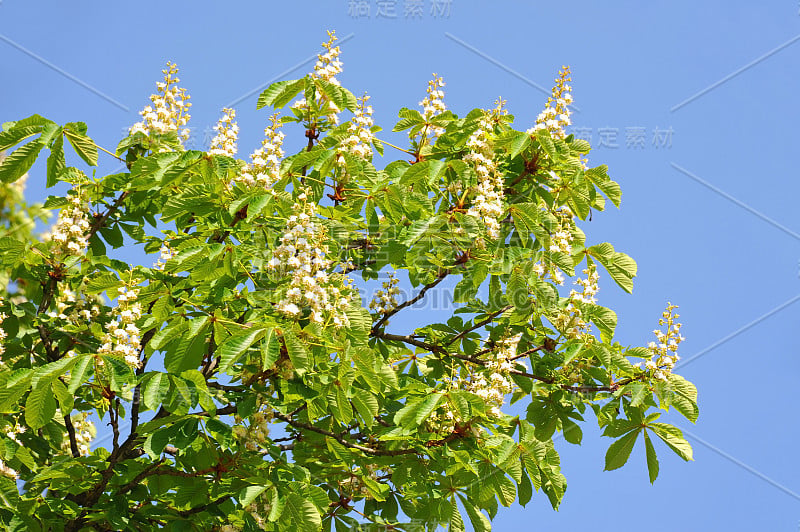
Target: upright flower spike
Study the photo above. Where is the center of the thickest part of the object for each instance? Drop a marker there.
(556, 114)
(224, 143)
(494, 388)
(488, 203)
(302, 255)
(170, 109)
(3, 334)
(326, 68)
(328, 64)
(359, 132)
(70, 233)
(265, 168)
(122, 337)
(665, 351)
(433, 103)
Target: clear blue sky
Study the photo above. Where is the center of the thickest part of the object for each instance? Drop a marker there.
(708, 211)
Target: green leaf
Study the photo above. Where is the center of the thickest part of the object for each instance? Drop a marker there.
(619, 451)
(20, 161)
(418, 410)
(249, 494)
(513, 142)
(56, 163)
(156, 390)
(82, 144)
(478, 519)
(280, 93)
(302, 513)
(18, 133)
(234, 346)
(673, 437)
(270, 349)
(652, 460)
(40, 406)
(426, 172)
(685, 398)
(297, 353)
(63, 396)
(11, 251)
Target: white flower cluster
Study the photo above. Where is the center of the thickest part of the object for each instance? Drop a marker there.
(85, 432)
(488, 203)
(665, 351)
(561, 240)
(569, 320)
(122, 336)
(302, 254)
(328, 64)
(265, 168)
(16, 430)
(590, 286)
(433, 103)
(359, 133)
(494, 388)
(224, 143)
(3, 333)
(70, 231)
(326, 68)
(165, 254)
(170, 109)
(384, 300)
(555, 116)
(75, 307)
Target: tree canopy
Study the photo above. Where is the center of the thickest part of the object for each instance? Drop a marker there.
(247, 383)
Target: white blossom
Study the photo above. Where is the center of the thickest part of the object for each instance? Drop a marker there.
(169, 109)
(302, 256)
(488, 202)
(224, 143)
(264, 170)
(556, 114)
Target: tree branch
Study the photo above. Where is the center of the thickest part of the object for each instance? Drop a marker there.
(340, 439)
(478, 325)
(410, 302)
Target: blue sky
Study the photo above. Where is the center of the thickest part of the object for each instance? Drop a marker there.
(707, 201)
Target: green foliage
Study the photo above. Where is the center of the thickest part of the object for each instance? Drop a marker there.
(237, 404)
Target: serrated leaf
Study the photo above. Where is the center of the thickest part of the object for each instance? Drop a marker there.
(652, 460)
(234, 346)
(19, 161)
(280, 93)
(674, 439)
(297, 353)
(478, 519)
(619, 451)
(82, 144)
(40, 406)
(417, 410)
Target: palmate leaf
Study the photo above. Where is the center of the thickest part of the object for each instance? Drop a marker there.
(234, 347)
(280, 93)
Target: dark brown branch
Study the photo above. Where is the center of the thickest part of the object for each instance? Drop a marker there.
(203, 507)
(410, 340)
(101, 220)
(410, 302)
(73, 441)
(478, 325)
(340, 439)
